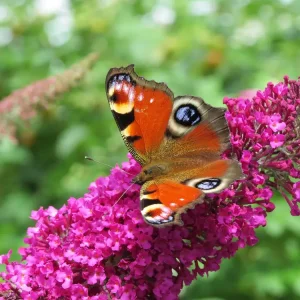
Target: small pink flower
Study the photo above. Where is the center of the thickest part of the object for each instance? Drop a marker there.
(296, 189)
(4, 259)
(65, 276)
(275, 124)
(86, 209)
(113, 284)
(79, 292)
(277, 140)
(52, 211)
(54, 241)
(280, 89)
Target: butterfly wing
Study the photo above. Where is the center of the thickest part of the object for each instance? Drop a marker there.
(195, 129)
(141, 109)
(165, 198)
(163, 201)
(154, 126)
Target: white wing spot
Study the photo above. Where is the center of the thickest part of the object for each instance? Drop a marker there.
(126, 88)
(131, 95)
(118, 86)
(140, 97)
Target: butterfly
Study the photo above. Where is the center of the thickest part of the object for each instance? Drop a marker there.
(178, 142)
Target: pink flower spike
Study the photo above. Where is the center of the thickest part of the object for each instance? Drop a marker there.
(275, 146)
(94, 248)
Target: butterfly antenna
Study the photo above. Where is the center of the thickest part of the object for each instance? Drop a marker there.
(123, 194)
(102, 163)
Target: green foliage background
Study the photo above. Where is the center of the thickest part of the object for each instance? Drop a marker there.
(205, 48)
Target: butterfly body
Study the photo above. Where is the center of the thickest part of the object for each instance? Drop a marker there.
(178, 142)
(151, 172)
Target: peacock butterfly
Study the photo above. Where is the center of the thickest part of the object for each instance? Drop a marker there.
(178, 142)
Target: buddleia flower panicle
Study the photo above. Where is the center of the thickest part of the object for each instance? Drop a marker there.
(22, 104)
(96, 247)
(265, 137)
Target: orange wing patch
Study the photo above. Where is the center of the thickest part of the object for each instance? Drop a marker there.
(152, 110)
(141, 109)
(196, 127)
(203, 137)
(162, 203)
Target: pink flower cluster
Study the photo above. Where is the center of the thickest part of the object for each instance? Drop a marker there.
(265, 137)
(90, 249)
(95, 248)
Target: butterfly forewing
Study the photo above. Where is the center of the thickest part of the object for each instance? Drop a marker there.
(141, 109)
(196, 129)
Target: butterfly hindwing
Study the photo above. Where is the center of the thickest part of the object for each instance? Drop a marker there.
(161, 202)
(164, 199)
(213, 177)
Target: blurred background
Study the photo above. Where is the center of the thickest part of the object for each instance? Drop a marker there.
(207, 48)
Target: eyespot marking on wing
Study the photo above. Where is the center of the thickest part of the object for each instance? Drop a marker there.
(118, 88)
(158, 214)
(187, 115)
(208, 184)
(198, 125)
(217, 176)
(113, 81)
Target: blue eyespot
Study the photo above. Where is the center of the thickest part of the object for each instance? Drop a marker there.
(208, 184)
(187, 115)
